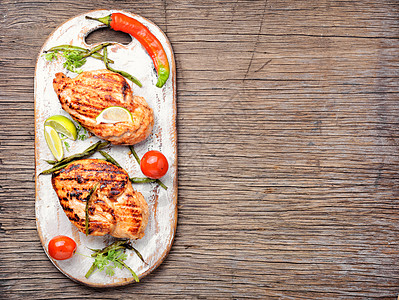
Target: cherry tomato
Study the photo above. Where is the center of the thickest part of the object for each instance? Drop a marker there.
(154, 164)
(61, 247)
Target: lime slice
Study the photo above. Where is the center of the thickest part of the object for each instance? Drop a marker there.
(62, 125)
(54, 142)
(114, 114)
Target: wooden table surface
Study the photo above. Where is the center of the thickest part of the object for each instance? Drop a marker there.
(287, 150)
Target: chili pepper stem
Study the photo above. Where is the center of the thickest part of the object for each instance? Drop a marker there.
(106, 20)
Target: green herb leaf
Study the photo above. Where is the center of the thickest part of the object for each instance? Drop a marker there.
(118, 265)
(110, 270)
(101, 261)
(73, 60)
(50, 56)
(114, 254)
(67, 146)
(75, 57)
(122, 256)
(81, 135)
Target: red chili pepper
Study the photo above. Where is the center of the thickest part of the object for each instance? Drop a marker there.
(152, 45)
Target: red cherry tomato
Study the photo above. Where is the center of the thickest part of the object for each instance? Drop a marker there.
(61, 247)
(154, 164)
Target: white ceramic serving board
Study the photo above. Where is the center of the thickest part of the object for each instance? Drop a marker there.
(50, 217)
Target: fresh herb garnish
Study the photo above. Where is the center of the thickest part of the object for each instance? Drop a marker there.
(87, 217)
(67, 146)
(82, 135)
(63, 138)
(75, 57)
(50, 56)
(111, 257)
(73, 60)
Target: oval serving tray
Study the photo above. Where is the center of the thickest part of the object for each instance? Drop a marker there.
(50, 217)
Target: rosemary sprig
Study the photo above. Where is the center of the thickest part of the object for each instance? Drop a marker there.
(51, 162)
(119, 244)
(87, 217)
(136, 278)
(53, 169)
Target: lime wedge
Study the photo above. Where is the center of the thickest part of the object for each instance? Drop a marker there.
(54, 142)
(62, 125)
(114, 114)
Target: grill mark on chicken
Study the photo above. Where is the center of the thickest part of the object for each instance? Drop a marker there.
(106, 171)
(114, 208)
(86, 95)
(74, 217)
(125, 89)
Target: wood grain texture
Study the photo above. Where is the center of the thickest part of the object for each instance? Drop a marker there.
(287, 143)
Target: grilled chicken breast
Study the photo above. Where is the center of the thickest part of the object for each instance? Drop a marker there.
(86, 95)
(114, 207)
